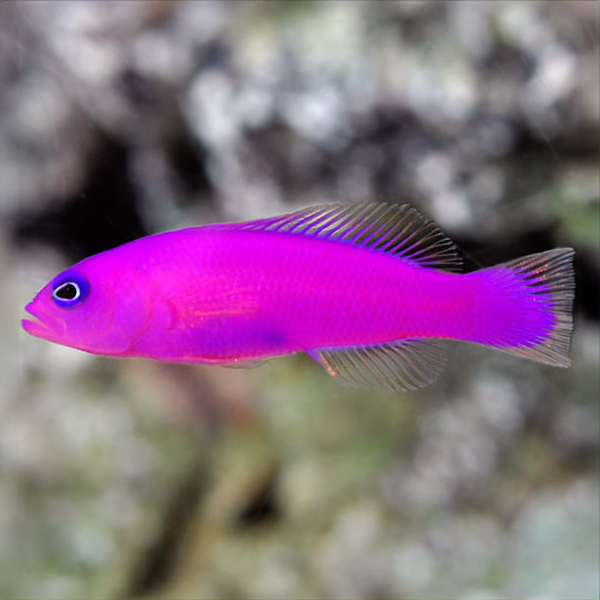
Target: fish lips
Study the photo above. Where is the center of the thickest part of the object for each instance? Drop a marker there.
(43, 326)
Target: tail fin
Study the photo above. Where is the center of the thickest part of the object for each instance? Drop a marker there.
(528, 309)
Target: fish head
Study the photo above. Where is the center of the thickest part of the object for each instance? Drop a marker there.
(98, 306)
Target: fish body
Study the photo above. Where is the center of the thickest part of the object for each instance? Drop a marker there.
(367, 290)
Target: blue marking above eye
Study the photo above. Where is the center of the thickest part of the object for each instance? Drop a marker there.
(70, 289)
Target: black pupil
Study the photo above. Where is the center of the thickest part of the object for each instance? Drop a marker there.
(67, 291)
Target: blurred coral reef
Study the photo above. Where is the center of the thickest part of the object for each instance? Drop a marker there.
(143, 480)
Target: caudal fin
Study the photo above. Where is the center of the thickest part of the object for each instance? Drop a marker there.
(528, 309)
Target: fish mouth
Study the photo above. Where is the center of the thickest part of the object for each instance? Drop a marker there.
(42, 325)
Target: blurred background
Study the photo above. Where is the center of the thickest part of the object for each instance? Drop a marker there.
(134, 479)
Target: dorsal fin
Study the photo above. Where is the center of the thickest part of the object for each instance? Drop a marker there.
(404, 365)
(398, 230)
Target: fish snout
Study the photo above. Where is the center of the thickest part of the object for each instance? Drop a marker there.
(44, 325)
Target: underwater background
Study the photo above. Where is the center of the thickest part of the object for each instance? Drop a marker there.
(136, 479)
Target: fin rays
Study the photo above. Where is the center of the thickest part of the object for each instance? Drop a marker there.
(397, 366)
(391, 229)
(548, 279)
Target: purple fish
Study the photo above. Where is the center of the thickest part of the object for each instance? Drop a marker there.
(370, 291)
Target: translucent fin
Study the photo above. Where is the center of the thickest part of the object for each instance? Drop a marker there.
(536, 293)
(391, 229)
(396, 366)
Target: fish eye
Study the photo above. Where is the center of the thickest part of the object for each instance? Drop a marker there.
(68, 291)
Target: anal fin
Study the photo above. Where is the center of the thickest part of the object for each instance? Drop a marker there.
(403, 365)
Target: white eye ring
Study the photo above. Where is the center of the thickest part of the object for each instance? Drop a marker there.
(62, 287)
